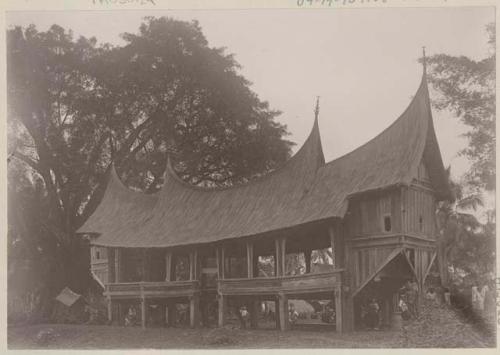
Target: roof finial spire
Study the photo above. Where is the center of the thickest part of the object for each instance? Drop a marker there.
(424, 60)
(316, 110)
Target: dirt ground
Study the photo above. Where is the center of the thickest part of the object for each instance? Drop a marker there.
(437, 327)
(113, 337)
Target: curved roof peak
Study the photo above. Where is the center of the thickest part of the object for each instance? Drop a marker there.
(306, 160)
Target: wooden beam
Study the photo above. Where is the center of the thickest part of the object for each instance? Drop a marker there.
(221, 310)
(110, 310)
(283, 312)
(220, 256)
(277, 258)
(307, 257)
(171, 313)
(111, 265)
(433, 258)
(145, 264)
(250, 260)
(118, 262)
(143, 313)
(338, 309)
(410, 264)
(391, 256)
(168, 265)
(254, 313)
(193, 265)
(194, 311)
(283, 256)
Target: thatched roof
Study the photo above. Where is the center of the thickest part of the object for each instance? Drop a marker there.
(303, 190)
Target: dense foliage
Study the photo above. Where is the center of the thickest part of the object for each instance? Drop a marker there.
(74, 106)
(466, 88)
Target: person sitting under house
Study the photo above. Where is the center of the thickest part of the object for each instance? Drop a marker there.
(293, 315)
(411, 298)
(131, 317)
(372, 315)
(244, 317)
(403, 307)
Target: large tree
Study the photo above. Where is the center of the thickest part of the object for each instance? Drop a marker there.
(74, 106)
(466, 87)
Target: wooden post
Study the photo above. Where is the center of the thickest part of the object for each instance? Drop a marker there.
(118, 262)
(254, 313)
(194, 311)
(162, 308)
(110, 310)
(277, 258)
(145, 265)
(171, 313)
(193, 265)
(250, 260)
(143, 313)
(283, 257)
(277, 313)
(307, 257)
(255, 264)
(221, 262)
(168, 266)
(221, 310)
(338, 309)
(111, 265)
(283, 312)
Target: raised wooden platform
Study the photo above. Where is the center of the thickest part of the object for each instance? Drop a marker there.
(288, 285)
(165, 289)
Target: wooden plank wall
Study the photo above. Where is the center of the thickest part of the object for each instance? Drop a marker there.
(364, 262)
(419, 203)
(99, 263)
(366, 215)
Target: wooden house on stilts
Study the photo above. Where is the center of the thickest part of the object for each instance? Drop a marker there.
(375, 207)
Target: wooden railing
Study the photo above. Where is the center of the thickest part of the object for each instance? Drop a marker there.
(152, 289)
(298, 284)
(306, 283)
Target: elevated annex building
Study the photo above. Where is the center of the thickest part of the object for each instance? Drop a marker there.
(375, 207)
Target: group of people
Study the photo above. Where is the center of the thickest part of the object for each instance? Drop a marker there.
(408, 300)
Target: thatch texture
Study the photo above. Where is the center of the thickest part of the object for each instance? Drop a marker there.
(304, 190)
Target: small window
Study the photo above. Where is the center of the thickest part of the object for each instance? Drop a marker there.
(387, 223)
(421, 223)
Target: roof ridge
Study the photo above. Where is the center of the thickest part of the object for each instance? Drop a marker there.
(422, 85)
(313, 136)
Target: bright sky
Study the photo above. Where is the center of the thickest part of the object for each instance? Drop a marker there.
(361, 62)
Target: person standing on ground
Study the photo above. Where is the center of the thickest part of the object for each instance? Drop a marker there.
(244, 316)
(372, 315)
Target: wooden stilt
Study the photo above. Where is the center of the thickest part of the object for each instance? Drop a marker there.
(338, 309)
(250, 260)
(110, 310)
(254, 313)
(171, 313)
(168, 266)
(118, 261)
(194, 311)
(283, 312)
(143, 313)
(277, 313)
(307, 257)
(221, 310)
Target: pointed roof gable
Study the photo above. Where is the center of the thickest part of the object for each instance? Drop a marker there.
(303, 190)
(119, 208)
